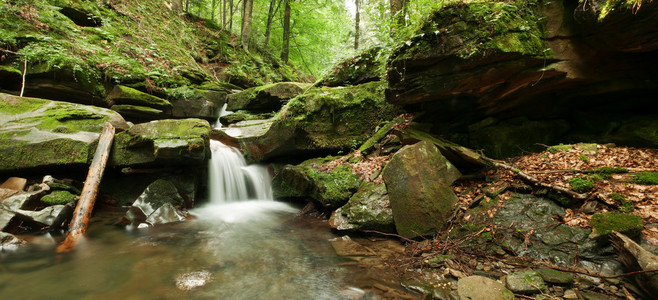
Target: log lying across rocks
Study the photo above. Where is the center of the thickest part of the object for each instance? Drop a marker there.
(82, 214)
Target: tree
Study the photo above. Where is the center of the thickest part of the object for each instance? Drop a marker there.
(285, 48)
(398, 10)
(270, 18)
(246, 23)
(356, 26)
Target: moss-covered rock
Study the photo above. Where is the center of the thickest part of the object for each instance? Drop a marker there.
(418, 180)
(136, 112)
(202, 102)
(525, 282)
(243, 115)
(58, 197)
(368, 209)
(323, 120)
(265, 98)
(162, 142)
(630, 225)
(365, 67)
(329, 188)
(43, 133)
(125, 95)
(646, 178)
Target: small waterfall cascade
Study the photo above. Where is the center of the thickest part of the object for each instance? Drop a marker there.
(222, 112)
(232, 180)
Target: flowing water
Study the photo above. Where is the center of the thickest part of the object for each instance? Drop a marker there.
(242, 245)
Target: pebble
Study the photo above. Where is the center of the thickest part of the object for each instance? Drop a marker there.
(570, 294)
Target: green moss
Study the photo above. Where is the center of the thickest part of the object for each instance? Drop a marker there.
(605, 223)
(14, 105)
(584, 158)
(610, 170)
(612, 5)
(580, 184)
(58, 197)
(624, 205)
(125, 95)
(559, 148)
(649, 178)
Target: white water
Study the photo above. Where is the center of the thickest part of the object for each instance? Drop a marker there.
(231, 180)
(222, 112)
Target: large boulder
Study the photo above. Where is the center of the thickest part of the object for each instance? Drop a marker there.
(322, 120)
(162, 142)
(368, 209)
(479, 287)
(265, 98)
(545, 61)
(125, 95)
(203, 102)
(328, 187)
(418, 180)
(37, 133)
(363, 68)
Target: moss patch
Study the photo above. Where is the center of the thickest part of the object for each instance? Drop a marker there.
(649, 178)
(580, 184)
(605, 223)
(58, 197)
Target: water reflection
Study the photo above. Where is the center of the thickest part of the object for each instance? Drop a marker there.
(241, 250)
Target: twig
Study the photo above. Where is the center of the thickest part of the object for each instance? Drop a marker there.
(523, 296)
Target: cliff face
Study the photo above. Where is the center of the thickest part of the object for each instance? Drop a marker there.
(590, 63)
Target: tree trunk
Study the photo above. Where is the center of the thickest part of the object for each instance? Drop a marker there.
(85, 205)
(212, 12)
(285, 44)
(397, 13)
(230, 20)
(224, 13)
(246, 23)
(356, 26)
(270, 18)
(187, 5)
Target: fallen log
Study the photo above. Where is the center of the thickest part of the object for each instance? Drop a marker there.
(82, 213)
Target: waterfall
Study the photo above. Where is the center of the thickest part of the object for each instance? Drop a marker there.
(231, 180)
(222, 112)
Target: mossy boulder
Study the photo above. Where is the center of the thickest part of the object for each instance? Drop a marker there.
(136, 112)
(368, 209)
(329, 188)
(125, 95)
(202, 102)
(243, 115)
(525, 282)
(162, 142)
(630, 225)
(265, 98)
(323, 120)
(58, 197)
(36, 133)
(418, 180)
(365, 67)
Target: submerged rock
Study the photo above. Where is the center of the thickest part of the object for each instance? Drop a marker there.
(38, 133)
(157, 205)
(9, 242)
(368, 209)
(163, 142)
(418, 180)
(478, 287)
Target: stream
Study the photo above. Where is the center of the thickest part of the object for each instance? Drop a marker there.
(241, 245)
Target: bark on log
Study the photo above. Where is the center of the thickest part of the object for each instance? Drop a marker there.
(85, 205)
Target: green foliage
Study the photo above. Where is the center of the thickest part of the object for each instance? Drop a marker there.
(584, 158)
(649, 178)
(580, 184)
(558, 148)
(624, 205)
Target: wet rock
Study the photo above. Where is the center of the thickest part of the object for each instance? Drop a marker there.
(9, 242)
(345, 246)
(135, 112)
(555, 276)
(5, 193)
(188, 281)
(163, 142)
(158, 203)
(418, 180)
(368, 209)
(38, 133)
(525, 282)
(22, 200)
(328, 188)
(265, 98)
(478, 287)
(44, 216)
(14, 183)
(322, 120)
(570, 294)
